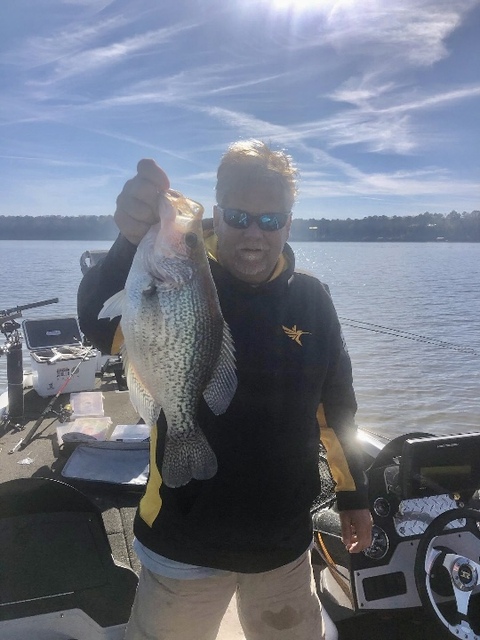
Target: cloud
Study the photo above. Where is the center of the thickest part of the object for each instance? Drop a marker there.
(381, 117)
(82, 63)
(377, 133)
(42, 50)
(139, 142)
(436, 100)
(428, 182)
(412, 31)
(293, 137)
(62, 163)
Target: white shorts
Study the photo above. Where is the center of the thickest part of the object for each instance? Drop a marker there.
(281, 604)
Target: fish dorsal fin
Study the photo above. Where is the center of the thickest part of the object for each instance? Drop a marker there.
(113, 307)
(141, 399)
(222, 386)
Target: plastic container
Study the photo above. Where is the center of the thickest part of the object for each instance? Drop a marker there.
(86, 403)
(48, 378)
(84, 429)
(56, 349)
(130, 433)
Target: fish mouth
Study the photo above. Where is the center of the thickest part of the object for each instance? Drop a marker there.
(185, 207)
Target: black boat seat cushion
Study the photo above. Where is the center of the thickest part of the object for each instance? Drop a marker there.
(55, 555)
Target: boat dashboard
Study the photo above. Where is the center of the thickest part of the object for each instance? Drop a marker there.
(425, 551)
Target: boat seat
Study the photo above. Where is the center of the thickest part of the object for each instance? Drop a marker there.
(56, 556)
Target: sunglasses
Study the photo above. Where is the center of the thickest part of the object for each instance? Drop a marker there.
(239, 219)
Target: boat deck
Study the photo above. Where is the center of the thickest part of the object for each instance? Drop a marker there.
(43, 458)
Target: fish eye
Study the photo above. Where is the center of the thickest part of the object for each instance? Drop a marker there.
(191, 240)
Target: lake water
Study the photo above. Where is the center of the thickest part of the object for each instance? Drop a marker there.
(429, 292)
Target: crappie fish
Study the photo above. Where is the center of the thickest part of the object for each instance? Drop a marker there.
(177, 345)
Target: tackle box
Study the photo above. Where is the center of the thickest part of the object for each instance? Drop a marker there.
(130, 433)
(55, 348)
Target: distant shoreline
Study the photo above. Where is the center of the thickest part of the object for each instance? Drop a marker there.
(426, 227)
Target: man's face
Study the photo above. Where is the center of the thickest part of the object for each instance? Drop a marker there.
(251, 254)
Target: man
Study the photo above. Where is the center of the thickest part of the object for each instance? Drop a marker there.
(248, 529)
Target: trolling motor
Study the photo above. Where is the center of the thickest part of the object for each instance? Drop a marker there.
(13, 350)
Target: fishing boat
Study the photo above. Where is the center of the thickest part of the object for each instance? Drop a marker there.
(68, 496)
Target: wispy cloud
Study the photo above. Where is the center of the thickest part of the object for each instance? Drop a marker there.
(81, 63)
(413, 31)
(381, 117)
(54, 162)
(435, 182)
(37, 50)
(392, 98)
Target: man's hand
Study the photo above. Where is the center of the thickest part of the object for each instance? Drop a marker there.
(137, 205)
(356, 529)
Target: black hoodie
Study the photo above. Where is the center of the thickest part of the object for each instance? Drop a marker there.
(294, 381)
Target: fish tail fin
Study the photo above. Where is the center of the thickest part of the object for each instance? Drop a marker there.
(184, 459)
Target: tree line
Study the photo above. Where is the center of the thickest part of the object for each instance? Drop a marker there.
(426, 227)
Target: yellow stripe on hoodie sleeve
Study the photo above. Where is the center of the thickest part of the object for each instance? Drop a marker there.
(336, 458)
(151, 502)
(118, 340)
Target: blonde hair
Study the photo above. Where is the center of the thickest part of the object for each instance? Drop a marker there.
(256, 162)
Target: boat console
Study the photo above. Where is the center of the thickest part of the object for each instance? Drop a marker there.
(436, 465)
(425, 551)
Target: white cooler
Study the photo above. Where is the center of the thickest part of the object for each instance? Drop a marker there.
(56, 349)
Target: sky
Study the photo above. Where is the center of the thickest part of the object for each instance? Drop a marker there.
(377, 101)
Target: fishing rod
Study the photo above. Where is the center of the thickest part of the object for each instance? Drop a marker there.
(399, 333)
(24, 442)
(16, 312)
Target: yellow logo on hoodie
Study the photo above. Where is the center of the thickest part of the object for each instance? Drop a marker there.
(295, 334)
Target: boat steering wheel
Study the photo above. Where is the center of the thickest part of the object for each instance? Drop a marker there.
(447, 572)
